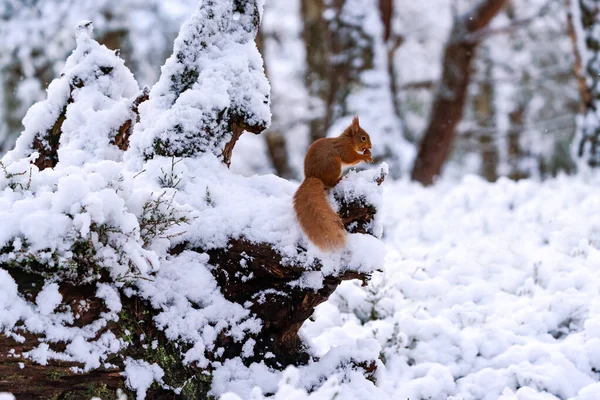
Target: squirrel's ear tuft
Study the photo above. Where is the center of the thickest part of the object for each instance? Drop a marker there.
(355, 126)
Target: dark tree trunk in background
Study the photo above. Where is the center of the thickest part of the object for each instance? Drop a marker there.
(588, 76)
(276, 147)
(450, 99)
(337, 53)
(515, 151)
(12, 77)
(318, 53)
(386, 8)
(584, 93)
(483, 104)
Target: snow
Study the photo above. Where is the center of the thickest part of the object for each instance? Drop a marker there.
(486, 288)
(485, 291)
(48, 299)
(140, 375)
(288, 389)
(192, 315)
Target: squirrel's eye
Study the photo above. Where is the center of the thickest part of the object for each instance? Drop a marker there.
(364, 138)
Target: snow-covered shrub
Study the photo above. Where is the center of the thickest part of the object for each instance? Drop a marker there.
(85, 109)
(36, 38)
(211, 88)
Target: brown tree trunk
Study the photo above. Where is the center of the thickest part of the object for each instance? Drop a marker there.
(392, 42)
(515, 151)
(276, 146)
(483, 103)
(584, 93)
(450, 99)
(318, 53)
(386, 8)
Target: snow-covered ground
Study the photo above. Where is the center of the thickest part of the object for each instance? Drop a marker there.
(489, 291)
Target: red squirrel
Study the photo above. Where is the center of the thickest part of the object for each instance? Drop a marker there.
(322, 171)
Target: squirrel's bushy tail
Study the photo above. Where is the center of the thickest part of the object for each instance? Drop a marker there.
(319, 222)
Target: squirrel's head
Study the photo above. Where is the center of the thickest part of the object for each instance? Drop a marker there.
(360, 138)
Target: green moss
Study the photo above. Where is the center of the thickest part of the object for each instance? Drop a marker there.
(177, 375)
(87, 392)
(55, 375)
(135, 319)
(100, 390)
(197, 387)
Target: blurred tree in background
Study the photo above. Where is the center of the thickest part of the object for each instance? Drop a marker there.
(329, 60)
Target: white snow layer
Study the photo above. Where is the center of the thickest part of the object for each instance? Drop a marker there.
(64, 206)
(140, 376)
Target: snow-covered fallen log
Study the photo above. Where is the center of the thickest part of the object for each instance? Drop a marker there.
(132, 258)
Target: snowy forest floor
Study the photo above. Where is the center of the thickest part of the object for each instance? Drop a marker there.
(489, 291)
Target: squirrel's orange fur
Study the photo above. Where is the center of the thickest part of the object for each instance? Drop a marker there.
(322, 171)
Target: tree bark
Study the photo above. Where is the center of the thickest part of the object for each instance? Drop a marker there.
(56, 380)
(584, 93)
(515, 151)
(450, 99)
(121, 140)
(392, 41)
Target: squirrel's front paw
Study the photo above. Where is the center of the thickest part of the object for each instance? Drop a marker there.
(368, 156)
